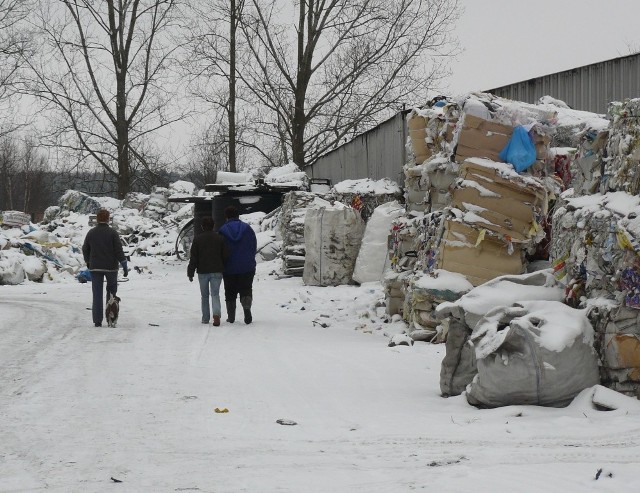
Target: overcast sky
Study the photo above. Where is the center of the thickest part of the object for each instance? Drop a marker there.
(507, 41)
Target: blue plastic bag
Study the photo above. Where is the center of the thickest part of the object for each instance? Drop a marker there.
(520, 150)
(84, 276)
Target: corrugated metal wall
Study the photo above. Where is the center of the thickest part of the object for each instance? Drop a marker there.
(588, 88)
(376, 154)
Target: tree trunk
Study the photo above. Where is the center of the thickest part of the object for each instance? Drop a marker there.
(122, 145)
(232, 86)
(299, 119)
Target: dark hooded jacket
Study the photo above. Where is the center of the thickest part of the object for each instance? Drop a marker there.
(102, 249)
(208, 253)
(242, 244)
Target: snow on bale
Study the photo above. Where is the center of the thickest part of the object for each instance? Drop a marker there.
(365, 194)
(157, 206)
(332, 238)
(74, 201)
(372, 257)
(426, 292)
(595, 250)
(288, 175)
(431, 129)
(461, 317)
(135, 200)
(533, 353)
(14, 219)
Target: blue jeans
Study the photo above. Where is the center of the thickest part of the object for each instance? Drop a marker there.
(97, 287)
(210, 284)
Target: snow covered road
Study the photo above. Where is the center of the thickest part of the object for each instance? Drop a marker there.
(80, 406)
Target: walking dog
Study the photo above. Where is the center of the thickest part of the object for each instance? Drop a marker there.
(112, 310)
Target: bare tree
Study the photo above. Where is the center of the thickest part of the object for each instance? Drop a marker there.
(14, 48)
(342, 65)
(23, 174)
(9, 165)
(105, 72)
(215, 54)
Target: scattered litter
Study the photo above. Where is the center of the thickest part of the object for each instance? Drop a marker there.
(152, 325)
(221, 410)
(115, 480)
(286, 422)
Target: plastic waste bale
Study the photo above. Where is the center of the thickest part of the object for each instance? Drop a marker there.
(332, 238)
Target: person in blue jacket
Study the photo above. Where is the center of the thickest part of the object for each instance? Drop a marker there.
(102, 251)
(240, 267)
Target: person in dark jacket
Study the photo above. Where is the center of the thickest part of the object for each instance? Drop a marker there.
(102, 251)
(208, 254)
(241, 265)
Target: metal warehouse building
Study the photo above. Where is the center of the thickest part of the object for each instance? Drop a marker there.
(380, 152)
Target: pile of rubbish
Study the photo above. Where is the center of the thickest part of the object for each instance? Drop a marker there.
(51, 251)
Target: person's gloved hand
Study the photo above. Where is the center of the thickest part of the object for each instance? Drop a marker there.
(190, 278)
(125, 268)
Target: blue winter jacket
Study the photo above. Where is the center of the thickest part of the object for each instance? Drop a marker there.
(242, 245)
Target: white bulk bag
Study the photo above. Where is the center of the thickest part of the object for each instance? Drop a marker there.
(373, 253)
(332, 238)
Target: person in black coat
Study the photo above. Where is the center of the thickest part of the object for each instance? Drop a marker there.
(102, 251)
(208, 255)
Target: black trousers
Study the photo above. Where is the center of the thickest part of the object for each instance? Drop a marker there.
(97, 282)
(238, 284)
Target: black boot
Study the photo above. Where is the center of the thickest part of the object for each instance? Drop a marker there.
(245, 301)
(231, 311)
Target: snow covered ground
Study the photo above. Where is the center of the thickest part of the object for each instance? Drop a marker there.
(82, 407)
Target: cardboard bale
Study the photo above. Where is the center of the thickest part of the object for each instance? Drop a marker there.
(417, 125)
(621, 351)
(510, 204)
(431, 131)
(485, 138)
(481, 263)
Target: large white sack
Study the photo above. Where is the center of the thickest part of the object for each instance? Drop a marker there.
(373, 254)
(332, 238)
(533, 353)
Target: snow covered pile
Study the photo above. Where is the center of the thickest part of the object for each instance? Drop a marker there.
(35, 254)
(289, 175)
(51, 251)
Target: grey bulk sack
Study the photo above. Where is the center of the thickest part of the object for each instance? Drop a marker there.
(538, 352)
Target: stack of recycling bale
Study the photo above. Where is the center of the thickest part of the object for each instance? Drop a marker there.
(495, 212)
(596, 253)
(403, 245)
(413, 248)
(495, 217)
(621, 170)
(430, 170)
(293, 211)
